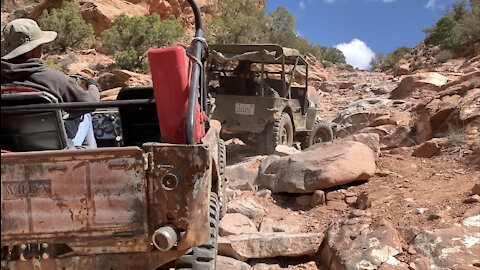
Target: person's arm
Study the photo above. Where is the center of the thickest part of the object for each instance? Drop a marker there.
(75, 93)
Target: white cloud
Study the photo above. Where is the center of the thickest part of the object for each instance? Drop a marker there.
(388, 1)
(302, 5)
(431, 4)
(357, 53)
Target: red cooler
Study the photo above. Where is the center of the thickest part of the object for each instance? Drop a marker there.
(171, 70)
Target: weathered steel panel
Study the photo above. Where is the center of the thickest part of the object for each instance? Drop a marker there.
(267, 109)
(141, 260)
(78, 193)
(180, 180)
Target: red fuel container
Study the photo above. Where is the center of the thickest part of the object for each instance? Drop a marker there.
(171, 73)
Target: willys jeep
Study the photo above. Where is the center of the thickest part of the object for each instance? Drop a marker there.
(270, 101)
(152, 201)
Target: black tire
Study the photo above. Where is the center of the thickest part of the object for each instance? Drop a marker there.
(321, 132)
(222, 192)
(278, 133)
(204, 257)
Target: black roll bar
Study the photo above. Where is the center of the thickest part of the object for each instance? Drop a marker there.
(195, 83)
(33, 108)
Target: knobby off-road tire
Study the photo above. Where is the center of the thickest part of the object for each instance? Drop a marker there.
(321, 132)
(279, 132)
(222, 164)
(204, 257)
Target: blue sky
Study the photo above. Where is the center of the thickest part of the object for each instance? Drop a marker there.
(362, 27)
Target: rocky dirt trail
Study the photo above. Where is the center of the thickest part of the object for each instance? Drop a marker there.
(418, 209)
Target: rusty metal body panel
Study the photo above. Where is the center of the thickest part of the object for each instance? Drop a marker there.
(140, 260)
(75, 193)
(108, 201)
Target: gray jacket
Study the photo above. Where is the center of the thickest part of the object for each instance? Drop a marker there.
(32, 72)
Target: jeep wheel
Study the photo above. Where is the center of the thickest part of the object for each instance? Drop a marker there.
(321, 132)
(222, 164)
(280, 132)
(204, 257)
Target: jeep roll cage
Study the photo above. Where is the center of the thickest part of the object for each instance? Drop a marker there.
(264, 54)
(197, 88)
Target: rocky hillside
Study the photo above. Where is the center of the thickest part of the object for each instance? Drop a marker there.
(397, 189)
(101, 13)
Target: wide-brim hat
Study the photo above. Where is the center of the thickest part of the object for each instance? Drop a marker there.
(23, 35)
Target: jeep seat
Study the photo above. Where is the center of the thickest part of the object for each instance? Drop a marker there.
(139, 122)
(31, 131)
(279, 85)
(233, 86)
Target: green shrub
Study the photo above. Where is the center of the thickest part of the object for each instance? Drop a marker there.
(281, 30)
(130, 38)
(377, 61)
(237, 22)
(335, 56)
(456, 139)
(443, 56)
(72, 30)
(243, 22)
(51, 63)
(471, 21)
(392, 59)
(446, 33)
(456, 28)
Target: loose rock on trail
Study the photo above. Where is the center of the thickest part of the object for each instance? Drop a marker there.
(397, 189)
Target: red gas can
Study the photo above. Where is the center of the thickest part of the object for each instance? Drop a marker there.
(171, 71)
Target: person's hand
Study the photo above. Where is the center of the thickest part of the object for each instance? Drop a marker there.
(80, 81)
(92, 82)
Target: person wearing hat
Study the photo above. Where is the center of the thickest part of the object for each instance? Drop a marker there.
(22, 49)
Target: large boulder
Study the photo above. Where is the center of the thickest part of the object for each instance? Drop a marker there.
(322, 166)
(101, 13)
(427, 149)
(248, 207)
(372, 140)
(269, 245)
(108, 81)
(361, 113)
(227, 263)
(440, 109)
(470, 105)
(357, 244)
(419, 83)
(446, 114)
(129, 79)
(269, 225)
(243, 175)
(469, 79)
(236, 223)
(402, 69)
(457, 247)
(395, 118)
(391, 136)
